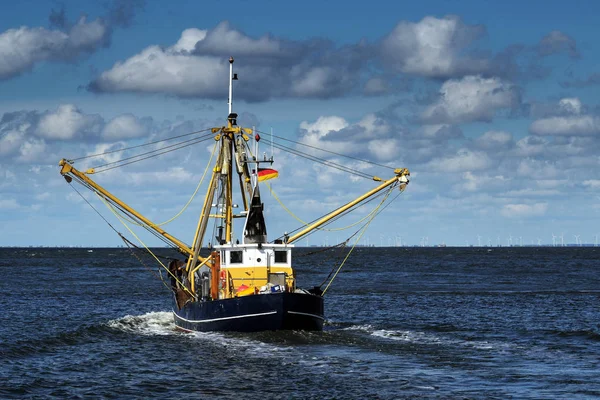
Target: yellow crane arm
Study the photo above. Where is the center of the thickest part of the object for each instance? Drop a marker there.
(67, 169)
(401, 175)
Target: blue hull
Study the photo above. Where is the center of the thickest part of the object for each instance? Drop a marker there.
(264, 312)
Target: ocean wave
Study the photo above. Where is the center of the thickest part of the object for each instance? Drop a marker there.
(423, 338)
(152, 323)
(583, 333)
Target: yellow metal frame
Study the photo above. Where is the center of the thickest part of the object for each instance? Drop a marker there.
(402, 175)
(68, 169)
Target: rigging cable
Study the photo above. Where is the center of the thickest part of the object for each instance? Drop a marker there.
(185, 143)
(92, 189)
(127, 242)
(328, 151)
(322, 161)
(322, 229)
(150, 251)
(131, 221)
(196, 191)
(337, 217)
(135, 147)
(364, 229)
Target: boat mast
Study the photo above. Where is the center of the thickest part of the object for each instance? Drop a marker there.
(220, 191)
(230, 102)
(228, 141)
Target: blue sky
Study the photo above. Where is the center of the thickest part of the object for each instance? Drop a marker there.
(493, 106)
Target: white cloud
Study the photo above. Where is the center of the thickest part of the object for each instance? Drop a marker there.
(537, 169)
(33, 150)
(11, 141)
(441, 132)
(567, 118)
(374, 126)
(316, 133)
(376, 86)
(67, 122)
(125, 126)
(571, 105)
(314, 82)
(9, 204)
(370, 137)
(552, 183)
(494, 140)
(158, 70)
(189, 38)
(592, 183)
(385, 149)
(43, 196)
(556, 42)
(173, 175)
(524, 210)
(580, 125)
(472, 182)
(22, 48)
(531, 146)
(197, 66)
(472, 98)
(433, 47)
(462, 160)
(224, 37)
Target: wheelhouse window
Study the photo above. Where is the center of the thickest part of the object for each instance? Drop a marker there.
(281, 256)
(236, 257)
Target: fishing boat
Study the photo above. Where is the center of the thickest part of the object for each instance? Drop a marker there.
(227, 284)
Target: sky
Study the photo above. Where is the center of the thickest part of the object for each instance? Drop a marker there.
(492, 106)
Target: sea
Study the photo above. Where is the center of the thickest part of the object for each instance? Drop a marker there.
(401, 323)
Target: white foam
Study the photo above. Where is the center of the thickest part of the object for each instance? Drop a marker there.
(364, 328)
(428, 338)
(407, 336)
(239, 344)
(152, 323)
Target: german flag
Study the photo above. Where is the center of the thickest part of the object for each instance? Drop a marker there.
(266, 173)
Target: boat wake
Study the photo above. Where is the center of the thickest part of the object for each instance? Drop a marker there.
(423, 338)
(153, 323)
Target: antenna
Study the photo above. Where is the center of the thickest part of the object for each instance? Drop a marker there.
(231, 78)
(271, 143)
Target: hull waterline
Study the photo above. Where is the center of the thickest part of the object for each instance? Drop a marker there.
(275, 311)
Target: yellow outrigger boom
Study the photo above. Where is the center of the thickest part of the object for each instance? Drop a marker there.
(67, 169)
(402, 175)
